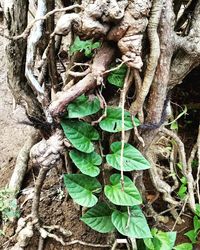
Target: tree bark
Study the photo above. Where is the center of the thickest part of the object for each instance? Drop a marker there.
(15, 12)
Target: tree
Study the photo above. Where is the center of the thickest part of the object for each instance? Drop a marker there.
(143, 48)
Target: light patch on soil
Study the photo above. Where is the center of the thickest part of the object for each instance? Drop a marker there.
(12, 134)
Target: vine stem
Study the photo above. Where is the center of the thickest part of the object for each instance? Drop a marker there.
(198, 170)
(123, 132)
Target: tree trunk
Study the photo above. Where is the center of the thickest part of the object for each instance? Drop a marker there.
(16, 13)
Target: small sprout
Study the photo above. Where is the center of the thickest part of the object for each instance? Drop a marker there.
(86, 47)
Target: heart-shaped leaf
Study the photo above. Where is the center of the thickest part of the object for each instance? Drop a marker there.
(87, 163)
(130, 196)
(117, 76)
(82, 106)
(81, 188)
(163, 240)
(132, 158)
(113, 121)
(192, 235)
(99, 218)
(80, 134)
(133, 225)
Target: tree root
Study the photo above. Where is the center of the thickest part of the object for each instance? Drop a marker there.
(153, 58)
(187, 172)
(198, 169)
(22, 163)
(159, 183)
(101, 62)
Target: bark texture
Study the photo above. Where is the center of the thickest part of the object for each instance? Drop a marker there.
(16, 22)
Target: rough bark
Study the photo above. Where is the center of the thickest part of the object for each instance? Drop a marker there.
(16, 21)
(187, 57)
(158, 91)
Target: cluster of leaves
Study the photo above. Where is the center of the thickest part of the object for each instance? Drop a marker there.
(160, 241)
(193, 234)
(8, 205)
(166, 240)
(119, 208)
(183, 188)
(86, 47)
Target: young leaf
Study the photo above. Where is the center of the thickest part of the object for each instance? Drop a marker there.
(196, 222)
(133, 225)
(132, 158)
(197, 210)
(174, 125)
(82, 106)
(192, 235)
(83, 46)
(81, 188)
(80, 134)
(113, 121)
(99, 218)
(130, 196)
(184, 246)
(87, 163)
(163, 240)
(183, 180)
(149, 244)
(116, 77)
(182, 191)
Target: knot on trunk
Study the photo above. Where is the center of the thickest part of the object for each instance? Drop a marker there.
(47, 153)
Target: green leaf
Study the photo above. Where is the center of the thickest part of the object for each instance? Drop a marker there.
(192, 235)
(149, 244)
(82, 106)
(81, 188)
(99, 218)
(133, 225)
(117, 76)
(183, 180)
(174, 125)
(80, 134)
(132, 158)
(86, 46)
(196, 222)
(180, 165)
(184, 246)
(113, 121)
(163, 240)
(182, 191)
(130, 196)
(87, 163)
(197, 210)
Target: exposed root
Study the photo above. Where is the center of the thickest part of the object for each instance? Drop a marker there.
(46, 154)
(35, 36)
(178, 217)
(121, 241)
(187, 172)
(159, 183)
(198, 170)
(101, 62)
(22, 163)
(86, 244)
(153, 57)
